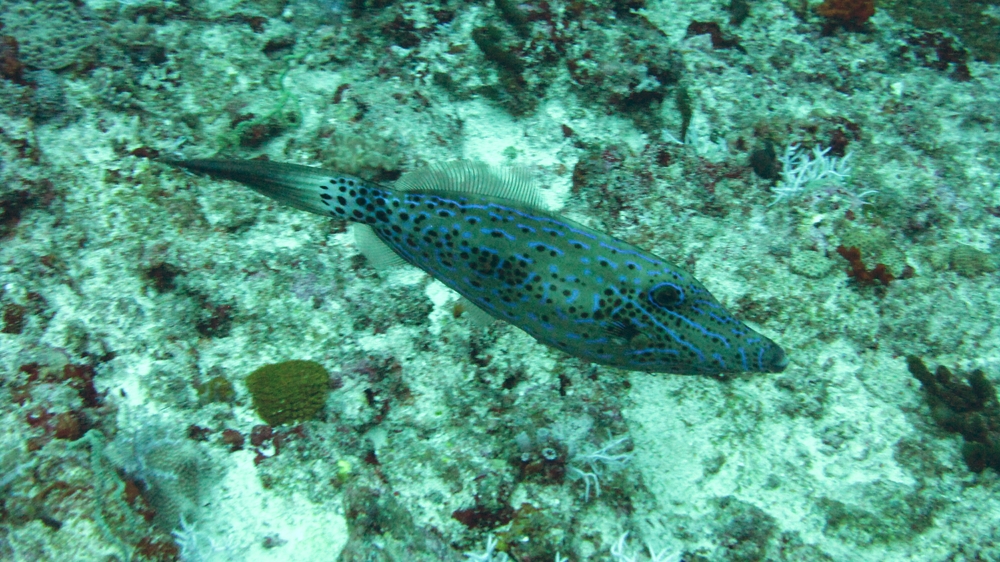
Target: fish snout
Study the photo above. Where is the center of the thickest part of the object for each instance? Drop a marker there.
(775, 359)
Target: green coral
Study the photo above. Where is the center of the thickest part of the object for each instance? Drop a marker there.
(289, 391)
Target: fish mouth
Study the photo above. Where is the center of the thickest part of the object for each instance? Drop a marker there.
(775, 359)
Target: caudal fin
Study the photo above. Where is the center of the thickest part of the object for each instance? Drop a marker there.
(298, 186)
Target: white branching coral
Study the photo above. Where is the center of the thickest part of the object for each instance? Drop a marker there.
(804, 172)
(596, 463)
(489, 555)
(619, 553)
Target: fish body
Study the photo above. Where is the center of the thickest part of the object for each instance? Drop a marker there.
(482, 232)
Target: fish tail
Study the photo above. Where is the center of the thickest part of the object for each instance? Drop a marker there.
(299, 186)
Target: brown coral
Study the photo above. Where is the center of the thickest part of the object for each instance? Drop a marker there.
(11, 67)
(860, 273)
(849, 13)
(969, 408)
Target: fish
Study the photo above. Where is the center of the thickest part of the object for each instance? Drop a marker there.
(486, 233)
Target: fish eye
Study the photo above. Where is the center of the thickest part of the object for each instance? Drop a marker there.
(666, 295)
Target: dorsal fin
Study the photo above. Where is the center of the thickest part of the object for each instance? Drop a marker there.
(513, 184)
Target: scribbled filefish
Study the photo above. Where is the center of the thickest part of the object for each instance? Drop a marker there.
(485, 233)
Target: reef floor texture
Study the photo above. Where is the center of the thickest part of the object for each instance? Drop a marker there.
(191, 371)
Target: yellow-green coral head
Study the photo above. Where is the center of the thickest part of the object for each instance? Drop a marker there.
(288, 392)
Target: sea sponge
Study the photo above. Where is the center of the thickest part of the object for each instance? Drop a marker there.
(289, 391)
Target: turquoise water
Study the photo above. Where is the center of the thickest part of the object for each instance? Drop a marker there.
(754, 143)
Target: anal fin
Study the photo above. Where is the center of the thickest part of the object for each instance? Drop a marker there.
(382, 257)
(477, 316)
